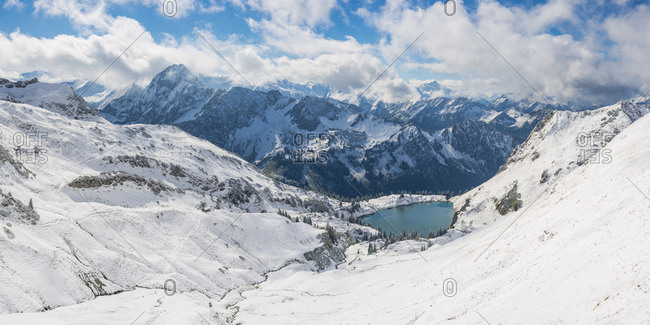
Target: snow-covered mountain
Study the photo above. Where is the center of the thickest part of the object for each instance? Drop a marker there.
(296, 90)
(514, 118)
(173, 95)
(57, 98)
(560, 235)
(106, 224)
(97, 226)
(89, 209)
(442, 144)
(432, 89)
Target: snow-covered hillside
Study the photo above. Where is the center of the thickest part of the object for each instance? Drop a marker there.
(100, 219)
(576, 254)
(562, 142)
(57, 98)
(89, 208)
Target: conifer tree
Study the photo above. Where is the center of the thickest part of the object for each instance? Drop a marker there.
(371, 249)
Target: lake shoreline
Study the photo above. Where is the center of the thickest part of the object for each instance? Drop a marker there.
(361, 217)
(371, 206)
(424, 217)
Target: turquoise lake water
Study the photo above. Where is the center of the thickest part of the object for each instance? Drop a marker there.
(420, 216)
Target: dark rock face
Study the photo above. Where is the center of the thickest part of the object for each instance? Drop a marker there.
(7, 158)
(119, 178)
(331, 252)
(13, 209)
(17, 84)
(326, 256)
(510, 202)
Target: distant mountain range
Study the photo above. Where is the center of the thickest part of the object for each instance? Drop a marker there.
(302, 136)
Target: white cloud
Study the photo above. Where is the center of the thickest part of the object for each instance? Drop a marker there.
(296, 12)
(631, 54)
(560, 66)
(13, 3)
(212, 7)
(85, 57)
(88, 14)
(302, 41)
(345, 64)
(83, 15)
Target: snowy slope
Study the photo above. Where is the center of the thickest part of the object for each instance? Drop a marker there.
(120, 210)
(117, 207)
(562, 142)
(576, 254)
(57, 98)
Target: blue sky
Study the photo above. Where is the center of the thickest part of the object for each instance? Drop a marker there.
(570, 50)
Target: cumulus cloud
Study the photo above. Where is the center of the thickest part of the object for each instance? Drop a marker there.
(563, 68)
(629, 31)
(303, 41)
(82, 14)
(13, 3)
(345, 64)
(603, 62)
(296, 12)
(211, 7)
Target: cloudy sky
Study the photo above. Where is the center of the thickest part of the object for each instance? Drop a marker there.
(582, 51)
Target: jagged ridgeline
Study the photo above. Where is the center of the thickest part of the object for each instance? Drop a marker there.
(59, 99)
(432, 145)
